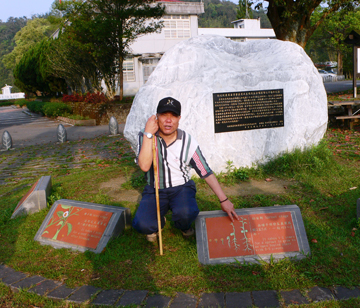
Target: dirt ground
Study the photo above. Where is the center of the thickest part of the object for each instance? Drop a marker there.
(271, 186)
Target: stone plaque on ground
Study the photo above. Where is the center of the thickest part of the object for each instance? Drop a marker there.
(35, 199)
(260, 233)
(247, 110)
(82, 225)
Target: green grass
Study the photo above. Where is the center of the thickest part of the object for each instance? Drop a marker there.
(324, 178)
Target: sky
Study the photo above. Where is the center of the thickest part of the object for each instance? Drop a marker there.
(20, 8)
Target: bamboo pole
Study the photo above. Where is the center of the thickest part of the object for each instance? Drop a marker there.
(157, 195)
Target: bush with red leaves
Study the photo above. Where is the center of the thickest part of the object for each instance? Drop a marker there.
(73, 98)
(91, 98)
(96, 98)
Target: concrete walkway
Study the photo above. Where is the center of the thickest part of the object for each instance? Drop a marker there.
(26, 128)
(119, 298)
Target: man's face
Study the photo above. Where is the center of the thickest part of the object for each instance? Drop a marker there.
(168, 122)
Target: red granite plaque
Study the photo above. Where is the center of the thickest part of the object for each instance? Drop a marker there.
(77, 225)
(254, 234)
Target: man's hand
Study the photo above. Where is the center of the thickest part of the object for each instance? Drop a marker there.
(228, 207)
(152, 125)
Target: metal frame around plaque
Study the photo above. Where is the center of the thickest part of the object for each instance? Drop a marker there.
(120, 218)
(248, 110)
(202, 239)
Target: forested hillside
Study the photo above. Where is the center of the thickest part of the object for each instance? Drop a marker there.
(8, 30)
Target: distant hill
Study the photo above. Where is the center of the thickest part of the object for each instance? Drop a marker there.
(8, 30)
(220, 14)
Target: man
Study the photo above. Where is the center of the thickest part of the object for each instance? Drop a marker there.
(177, 152)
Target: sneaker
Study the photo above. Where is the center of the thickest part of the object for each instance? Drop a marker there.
(153, 236)
(188, 233)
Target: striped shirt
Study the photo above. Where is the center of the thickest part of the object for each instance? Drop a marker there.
(176, 160)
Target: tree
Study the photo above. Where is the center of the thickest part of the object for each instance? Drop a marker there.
(244, 10)
(106, 28)
(218, 14)
(327, 40)
(8, 30)
(34, 31)
(291, 20)
(34, 73)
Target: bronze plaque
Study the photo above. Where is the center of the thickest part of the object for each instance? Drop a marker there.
(262, 233)
(254, 234)
(77, 225)
(82, 225)
(236, 111)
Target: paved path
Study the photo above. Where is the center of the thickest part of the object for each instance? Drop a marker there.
(267, 298)
(26, 128)
(338, 86)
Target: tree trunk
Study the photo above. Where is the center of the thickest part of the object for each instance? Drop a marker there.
(291, 20)
(339, 63)
(121, 77)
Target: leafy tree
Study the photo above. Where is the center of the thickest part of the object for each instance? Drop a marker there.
(218, 14)
(291, 20)
(8, 30)
(244, 10)
(34, 73)
(327, 40)
(34, 31)
(106, 28)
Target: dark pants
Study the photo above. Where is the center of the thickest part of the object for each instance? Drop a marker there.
(180, 200)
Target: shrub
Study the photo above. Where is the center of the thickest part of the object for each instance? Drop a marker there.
(21, 102)
(73, 98)
(36, 106)
(56, 109)
(6, 103)
(91, 98)
(96, 98)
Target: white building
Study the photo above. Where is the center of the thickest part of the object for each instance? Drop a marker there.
(180, 23)
(6, 93)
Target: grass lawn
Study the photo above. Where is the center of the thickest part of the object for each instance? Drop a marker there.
(325, 185)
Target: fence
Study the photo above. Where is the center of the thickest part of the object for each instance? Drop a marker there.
(329, 78)
(12, 96)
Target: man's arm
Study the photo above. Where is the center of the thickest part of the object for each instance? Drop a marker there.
(145, 157)
(226, 206)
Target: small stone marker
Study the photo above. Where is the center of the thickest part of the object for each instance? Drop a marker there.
(61, 133)
(261, 233)
(6, 140)
(82, 225)
(113, 126)
(35, 199)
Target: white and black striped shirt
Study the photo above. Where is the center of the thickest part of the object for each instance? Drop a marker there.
(176, 160)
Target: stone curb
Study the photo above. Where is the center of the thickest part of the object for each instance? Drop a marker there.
(119, 298)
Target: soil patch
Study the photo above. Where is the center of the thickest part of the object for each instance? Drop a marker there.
(253, 187)
(114, 190)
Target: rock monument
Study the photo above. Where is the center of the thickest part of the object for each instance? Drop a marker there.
(195, 70)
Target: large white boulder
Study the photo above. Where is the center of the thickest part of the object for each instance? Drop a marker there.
(193, 70)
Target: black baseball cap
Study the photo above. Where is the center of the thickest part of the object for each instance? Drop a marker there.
(169, 104)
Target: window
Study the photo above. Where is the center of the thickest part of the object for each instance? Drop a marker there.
(128, 69)
(176, 26)
(148, 67)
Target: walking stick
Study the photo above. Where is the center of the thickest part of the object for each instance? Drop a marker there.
(157, 195)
